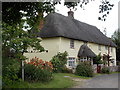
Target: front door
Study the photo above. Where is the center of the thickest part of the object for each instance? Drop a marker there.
(98, 69)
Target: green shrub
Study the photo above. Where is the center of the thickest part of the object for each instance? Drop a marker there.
(67, 70)
(84, 69)
(59, 61)
(10, 69)
(105, 70)
(38, 70)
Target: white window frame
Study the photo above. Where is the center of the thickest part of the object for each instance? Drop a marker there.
(71, 59)
(106, 47)
(72, 43)
(111, 49)
(99, 47)
(83, 59)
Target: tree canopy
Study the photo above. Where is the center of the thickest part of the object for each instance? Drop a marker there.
(116, 39)
(11, 10)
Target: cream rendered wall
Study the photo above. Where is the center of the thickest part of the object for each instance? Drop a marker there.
(50, 44)
(94, 48)
(61, 44)
(65, 46)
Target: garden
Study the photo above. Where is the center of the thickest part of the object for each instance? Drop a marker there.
(42, 74)
(45, 74)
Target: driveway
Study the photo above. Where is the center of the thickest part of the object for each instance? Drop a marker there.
(100, 81)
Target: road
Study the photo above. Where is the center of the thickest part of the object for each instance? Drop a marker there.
(100, 81)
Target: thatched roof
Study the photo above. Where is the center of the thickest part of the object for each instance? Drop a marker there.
(57, 25)
(85, 51)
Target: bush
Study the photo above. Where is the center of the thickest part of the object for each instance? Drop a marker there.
(84, 69)
(105, 70)
(38, 70)
(10, 70)
(59, 61)
(67, 70)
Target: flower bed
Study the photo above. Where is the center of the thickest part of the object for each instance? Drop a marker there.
(38, 70)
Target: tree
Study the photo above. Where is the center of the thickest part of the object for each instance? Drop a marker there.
(58, 61)
(15, 39)
(116, 40)
(97, 60)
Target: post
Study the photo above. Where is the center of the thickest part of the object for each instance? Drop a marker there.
(22, 64)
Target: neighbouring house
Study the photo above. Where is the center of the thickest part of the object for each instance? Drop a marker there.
(82, 41)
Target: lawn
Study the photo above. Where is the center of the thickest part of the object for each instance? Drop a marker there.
(59, 81)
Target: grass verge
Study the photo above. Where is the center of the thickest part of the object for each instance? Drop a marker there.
(73, 75)
(59, 81)
(97, 74)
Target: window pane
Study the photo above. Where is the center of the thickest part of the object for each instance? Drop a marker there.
(106, 47)
(71, 43)
(71, 61)
(99, 47)
(111, 49)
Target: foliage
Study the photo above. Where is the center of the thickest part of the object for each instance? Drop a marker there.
(104, 7)
(105, 70)
(116, 40)
(38, 70)
(10, 70)
(59, 61)
(57, 82)
(97, 60)
(11, 11)
(84, 69)
(67, 70)
(16, 41)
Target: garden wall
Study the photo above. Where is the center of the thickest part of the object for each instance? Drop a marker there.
(114, 68)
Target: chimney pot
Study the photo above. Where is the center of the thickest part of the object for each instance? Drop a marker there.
(71, 13)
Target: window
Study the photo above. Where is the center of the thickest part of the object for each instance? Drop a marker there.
(71, 61)
(85, 43)
(83, 59)
(71, 43)
(111, 49)
(99, 47)
(106, 47)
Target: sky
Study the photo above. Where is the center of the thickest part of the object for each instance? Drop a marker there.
(91, 13)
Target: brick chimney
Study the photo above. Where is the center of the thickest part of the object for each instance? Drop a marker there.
(41, 24)
(71, 13)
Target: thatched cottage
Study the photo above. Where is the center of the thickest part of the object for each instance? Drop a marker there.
(82, 41)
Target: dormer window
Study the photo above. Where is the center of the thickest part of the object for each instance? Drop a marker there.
(72, 43)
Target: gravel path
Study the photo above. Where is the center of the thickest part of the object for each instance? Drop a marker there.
(101, 81)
